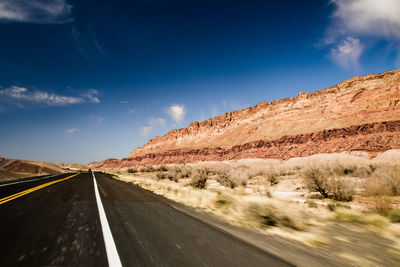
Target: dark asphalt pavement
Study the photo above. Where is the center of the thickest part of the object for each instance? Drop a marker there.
(59, 225)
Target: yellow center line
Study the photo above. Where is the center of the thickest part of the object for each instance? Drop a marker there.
(22, 193)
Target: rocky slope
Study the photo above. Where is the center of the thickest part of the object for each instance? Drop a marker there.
(359, 114)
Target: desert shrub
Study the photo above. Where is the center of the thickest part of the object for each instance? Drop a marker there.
(386, 181)
(364, 171)
(199, 179)
(131, 170)
(337, 169)
(162, 168)
(312, 204)
(225, 179)
(267, 214)
(272, 177)
(394, 216)
(255, 172)
(161, 175)
(232, 178)
(315, 181)
(322, 182)
(341, 189)
(177, 173)
(173, 176)
(334, 206)
(148, 169)
(381, 205)
(185, 172)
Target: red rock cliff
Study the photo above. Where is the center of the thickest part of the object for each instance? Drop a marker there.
(361, 113)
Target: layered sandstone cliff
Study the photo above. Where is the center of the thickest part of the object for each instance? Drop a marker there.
(359, 114)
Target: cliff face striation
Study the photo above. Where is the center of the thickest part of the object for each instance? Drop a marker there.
(359, 114)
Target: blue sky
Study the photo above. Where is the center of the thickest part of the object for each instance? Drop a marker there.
(82, 81)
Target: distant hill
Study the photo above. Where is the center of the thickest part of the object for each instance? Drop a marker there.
(11, 169)
(73, 166)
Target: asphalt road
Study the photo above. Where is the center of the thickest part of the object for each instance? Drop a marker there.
(59, 221)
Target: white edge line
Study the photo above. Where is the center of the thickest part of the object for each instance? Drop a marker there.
(111, 249)
(27, 181)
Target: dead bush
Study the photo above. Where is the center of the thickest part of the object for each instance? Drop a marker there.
(224, 178)
(132, 170)
(272, 177)
(267, 214)
(147, 169)
(255, 172)
(386, 182)
(232, 178)
(340, 189)
(199, 178)
(364, 171)
(380, 204)
(162, 168)
(337, 188)
(315, 181)
(185, 172)
(161, 176)
(394, 216)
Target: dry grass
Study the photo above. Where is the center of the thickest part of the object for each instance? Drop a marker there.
(301, 222)
(244, 210)
(372, 219)
(369, 184)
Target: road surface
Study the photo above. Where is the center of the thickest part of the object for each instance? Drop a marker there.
(93, 220)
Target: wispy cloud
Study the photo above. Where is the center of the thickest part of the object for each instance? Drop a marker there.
(72, 131)
(124, 102)
(367, 17)
(177, 113)
(35, 11)
(347, 53)
(40, 97)
(23, 94)
(354, 20)
(92, 95)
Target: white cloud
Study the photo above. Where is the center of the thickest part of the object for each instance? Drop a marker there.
(35, 11)
(145, 130)
(92, 96)
(347, 53)
(124, 102)
(72, 131)
(355, 20)
(40, 97)
(177, 113)
(368, 17)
